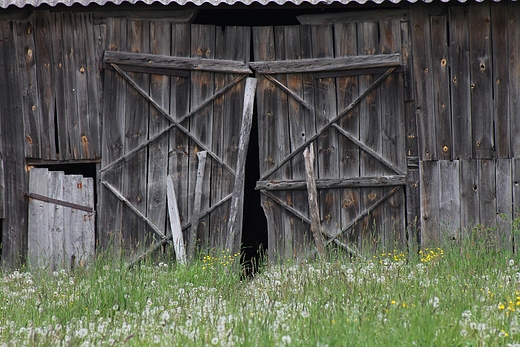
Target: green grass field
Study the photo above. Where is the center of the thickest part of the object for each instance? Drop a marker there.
(448, 296)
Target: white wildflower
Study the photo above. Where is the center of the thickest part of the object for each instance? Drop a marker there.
(81, 333)
(214, 341)
(286, 340)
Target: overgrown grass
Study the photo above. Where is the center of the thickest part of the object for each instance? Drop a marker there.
(458, 295)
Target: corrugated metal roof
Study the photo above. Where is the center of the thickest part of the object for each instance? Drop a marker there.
(36, 3)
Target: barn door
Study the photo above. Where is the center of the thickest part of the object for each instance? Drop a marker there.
(340, 88)
(174, 96)
(61, 219)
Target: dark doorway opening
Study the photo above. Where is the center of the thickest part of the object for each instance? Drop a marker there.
(254, 225)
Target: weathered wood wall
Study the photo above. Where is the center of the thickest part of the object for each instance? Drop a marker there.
(466, 64)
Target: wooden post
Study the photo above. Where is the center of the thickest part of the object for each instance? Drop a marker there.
(314, 211)
(235, 214)
(196, 204)
(175, 222)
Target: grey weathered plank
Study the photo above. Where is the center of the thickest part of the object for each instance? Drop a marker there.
(234, 228)
(469, 196)
(393, 133)
(413, 209)
(449, 201)
(179, 106)
(55, 226)
(441, 84)
(504, 200)
(58, 60)
(198, 62)
(515, 168)
(266, 94)
(88, 236)
(370, 134)
(500, 73)
(481, 84)
(487, 193)
(514, 76)
(196, 215)
(160, 43)
(14, 242)
(353, 16)
(45, 107)
(201, 124)
(136, 118)
(39, 241)
(460, 83)
(113, 139)
(26, 52)
(312, 194)
(72, 226)
(334, 183)
(422, 53)
(430, 195)
(175, 222)
(347, 89)
(327, 64)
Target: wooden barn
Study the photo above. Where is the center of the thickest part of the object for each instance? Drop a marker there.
(123, 122)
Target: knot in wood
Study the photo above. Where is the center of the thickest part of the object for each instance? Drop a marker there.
(82, 70)
(445, 149)
(443, 62)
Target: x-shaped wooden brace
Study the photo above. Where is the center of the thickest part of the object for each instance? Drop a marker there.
(332, 123)
(174, 124)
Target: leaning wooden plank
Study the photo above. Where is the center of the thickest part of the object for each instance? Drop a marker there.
(333, 183)
(168, 62)
(312, 192)
(39, 237)
(175, 222)
(352, 17)
(327, 64)
(237, 202)
(196, 215)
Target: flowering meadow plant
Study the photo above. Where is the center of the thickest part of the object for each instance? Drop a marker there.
(436, 297)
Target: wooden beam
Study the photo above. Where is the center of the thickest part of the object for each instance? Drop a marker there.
(327, 64)
(171, 16)
(156, 61)
(235, 214)
(196, 204)
(150, 70)
(332, 183)
(354, 16)
(175, 222)
(312, 194)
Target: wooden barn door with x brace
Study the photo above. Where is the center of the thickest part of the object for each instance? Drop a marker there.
(340, 88)
(174, 110)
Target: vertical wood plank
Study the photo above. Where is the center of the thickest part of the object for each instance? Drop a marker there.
(136, 132)
(449, 209)
(72, 238)
(180, 97)
(406, 53)
(469, 196)
(90, 138)
(175, 222)
(441, 84)
(111, 209)
(26, 52)
(487, 194)
(14, 227)
(160, 43)
(514, 75)
(392, 127)
(43, 45)
(430, 202)
(422, 53)
(55, 224)
(413, 209)
(504, 200)
(515, 167)
(500, 75)
(347, 90)
(88, 236)
(460, 83)
(371, 135)
(39, 239)
(263, 49)
(481, 84)
(201, 124)
(327, 144)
